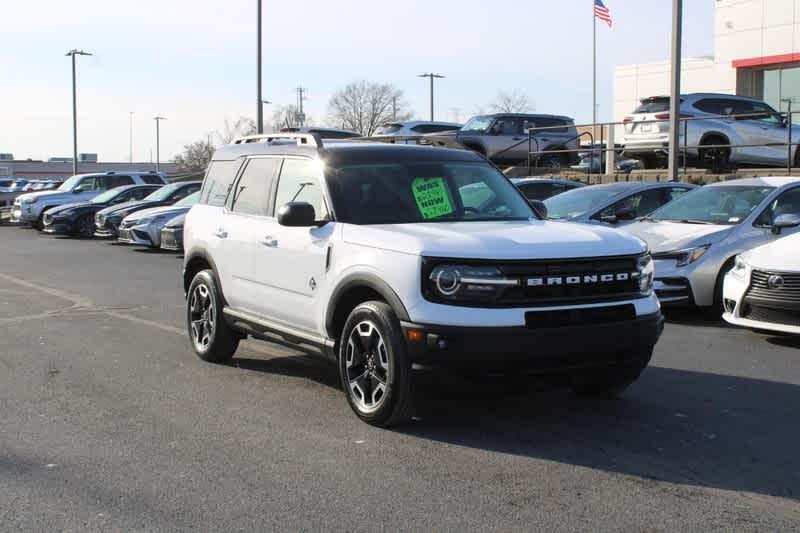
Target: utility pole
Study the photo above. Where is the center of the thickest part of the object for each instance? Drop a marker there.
(594, 76)
(73, 53)
(158, 141)
(263, 102)
(260, 99)
(432, 77)
(675, 93)
(131, 137)
(301, 97)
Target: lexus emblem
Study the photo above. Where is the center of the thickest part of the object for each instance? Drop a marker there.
(776, 282)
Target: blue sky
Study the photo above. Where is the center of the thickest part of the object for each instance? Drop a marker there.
(193, 61)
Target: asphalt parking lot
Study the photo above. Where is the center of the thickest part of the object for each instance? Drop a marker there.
(108, 421)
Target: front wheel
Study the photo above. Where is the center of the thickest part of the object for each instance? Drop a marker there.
(212, 339)
(84, 227)
(615, 379)
(374, 367)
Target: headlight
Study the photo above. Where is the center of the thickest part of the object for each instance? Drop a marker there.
(647, 270)
(30, 200)
(468, 283)
(740, 269)
(684, 257)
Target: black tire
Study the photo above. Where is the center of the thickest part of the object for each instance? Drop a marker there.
(375, 370)
(552, 162)
(718, 307)
(716, 160)
(796, 163)
(212, 339)
(613, 380)
(84, 226)
(39, 224)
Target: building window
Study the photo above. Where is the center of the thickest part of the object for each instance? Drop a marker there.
(780, 84)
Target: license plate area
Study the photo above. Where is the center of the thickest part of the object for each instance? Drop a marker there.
(579, 317)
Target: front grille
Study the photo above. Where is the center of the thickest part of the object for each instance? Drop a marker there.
(577, 281)
(580, 317)
(787, 294)
(770, 315)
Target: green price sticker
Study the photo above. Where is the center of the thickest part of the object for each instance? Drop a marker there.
(432, 198)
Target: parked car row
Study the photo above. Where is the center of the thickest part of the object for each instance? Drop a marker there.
(134, 208)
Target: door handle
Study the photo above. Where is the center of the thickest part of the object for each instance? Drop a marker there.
(221, 233)
(269, 242)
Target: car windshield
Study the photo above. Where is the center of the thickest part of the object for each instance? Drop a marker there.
(410, 192)
(577, 202)
(105, 197)
(70, 184)
(477, 124)
(189, 201)
(728, 204)
(159, 195)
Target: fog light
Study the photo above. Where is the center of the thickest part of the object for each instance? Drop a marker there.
(415, 335)
(730, 305)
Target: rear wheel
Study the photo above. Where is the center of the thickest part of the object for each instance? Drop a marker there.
(552, 162)
(612, 380)
(716, 159)
(374, 367)
(212, 339)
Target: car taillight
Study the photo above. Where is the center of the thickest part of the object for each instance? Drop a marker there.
(627, 120)
(665, 116)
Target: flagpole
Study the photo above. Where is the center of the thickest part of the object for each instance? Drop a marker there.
(594, 75)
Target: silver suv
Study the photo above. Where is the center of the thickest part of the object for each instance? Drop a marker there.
(734, 124)
(503, 138)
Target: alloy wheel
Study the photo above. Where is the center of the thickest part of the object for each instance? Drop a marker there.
(202, 317)
(367, 367)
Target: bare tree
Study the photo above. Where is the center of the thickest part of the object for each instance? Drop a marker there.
(243, 126)
(288, 116)
(363, 106)
(513, 102)
(195, 156)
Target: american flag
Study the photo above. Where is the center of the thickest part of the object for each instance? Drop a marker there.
(601, 12)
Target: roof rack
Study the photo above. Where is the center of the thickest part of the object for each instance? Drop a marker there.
(302, 139)
(421, 140)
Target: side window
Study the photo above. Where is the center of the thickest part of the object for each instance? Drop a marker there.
(90, 184)
(642, 204)
(787, 203)
(118, 181)
(183, 192)
(551, 123)
(218, 182)
(714, 106)
(673, 194)
(139, 194)
(152, 179)
(536, 191)
(300, 182)
(251, 195)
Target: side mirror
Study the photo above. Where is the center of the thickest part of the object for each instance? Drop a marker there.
(77, 190)
(540, 208)
(783, 222)
(297, 215)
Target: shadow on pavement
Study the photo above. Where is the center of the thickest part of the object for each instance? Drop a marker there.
(683, 427)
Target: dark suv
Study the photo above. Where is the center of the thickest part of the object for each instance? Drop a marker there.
(503, 138)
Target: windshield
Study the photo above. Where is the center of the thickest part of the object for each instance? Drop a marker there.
(577, 202)
(190, 200)
(105, 197)
(409, 192)
(729, 204)
(70, 183)
(163, 193)
(477, 124)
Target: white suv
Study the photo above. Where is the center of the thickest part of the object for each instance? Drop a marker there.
(381, 256)
(29, 208)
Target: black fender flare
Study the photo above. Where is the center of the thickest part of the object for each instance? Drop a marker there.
(363, 280)
(199, 254)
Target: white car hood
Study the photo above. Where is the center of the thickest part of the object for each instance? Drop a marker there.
(780, 255)
(43, 194)
(496, 240)
(671, 236)
(155, 211)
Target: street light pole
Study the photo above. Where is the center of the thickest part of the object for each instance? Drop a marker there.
(131, 138)
(260, 110)
(675, 93)
(158, 142)
(263, 102)
(73, 53)
(432, 77)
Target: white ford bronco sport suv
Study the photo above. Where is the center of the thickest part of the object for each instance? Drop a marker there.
(382, 256)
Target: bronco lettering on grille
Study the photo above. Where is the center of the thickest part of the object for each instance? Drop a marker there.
(579, 280)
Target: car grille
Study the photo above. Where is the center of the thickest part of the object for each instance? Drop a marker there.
(535, 291)
(168, 239)
(771, 316)
(787, 294)
(128, 224)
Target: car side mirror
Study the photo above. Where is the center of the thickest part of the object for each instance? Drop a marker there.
(77, 190)
(783, 222)
(297, 215)
(540, 208)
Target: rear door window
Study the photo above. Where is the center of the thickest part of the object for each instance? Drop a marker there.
(253, 192)
(548, 122)
(218, 181)
(152, 179)
(118, 181)
(653, 105)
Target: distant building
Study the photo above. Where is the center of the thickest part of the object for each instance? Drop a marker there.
(62, 168)
(756, 53)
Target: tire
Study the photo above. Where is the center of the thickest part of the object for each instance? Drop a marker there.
(552, 162)
(796, 163)
(609, 382)
(374, 367)
(715, 159)
(84, 226)
(718, 307)
(211, 337)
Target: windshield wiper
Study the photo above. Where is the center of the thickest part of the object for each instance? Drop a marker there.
(695, 221)
(647, 218)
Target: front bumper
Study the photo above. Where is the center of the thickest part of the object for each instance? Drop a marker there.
(752, 314)
(140, 235)
(24, 214)
(692, 285)
(106, 229)
(5, 214)
(59, 227)
(172, 239)
(553, 343)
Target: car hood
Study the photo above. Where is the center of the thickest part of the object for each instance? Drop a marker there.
(43, 194)
(671, 236)
(777, 256)
(513, 240)
(74, 206)
(129, 207)
(169, 211)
